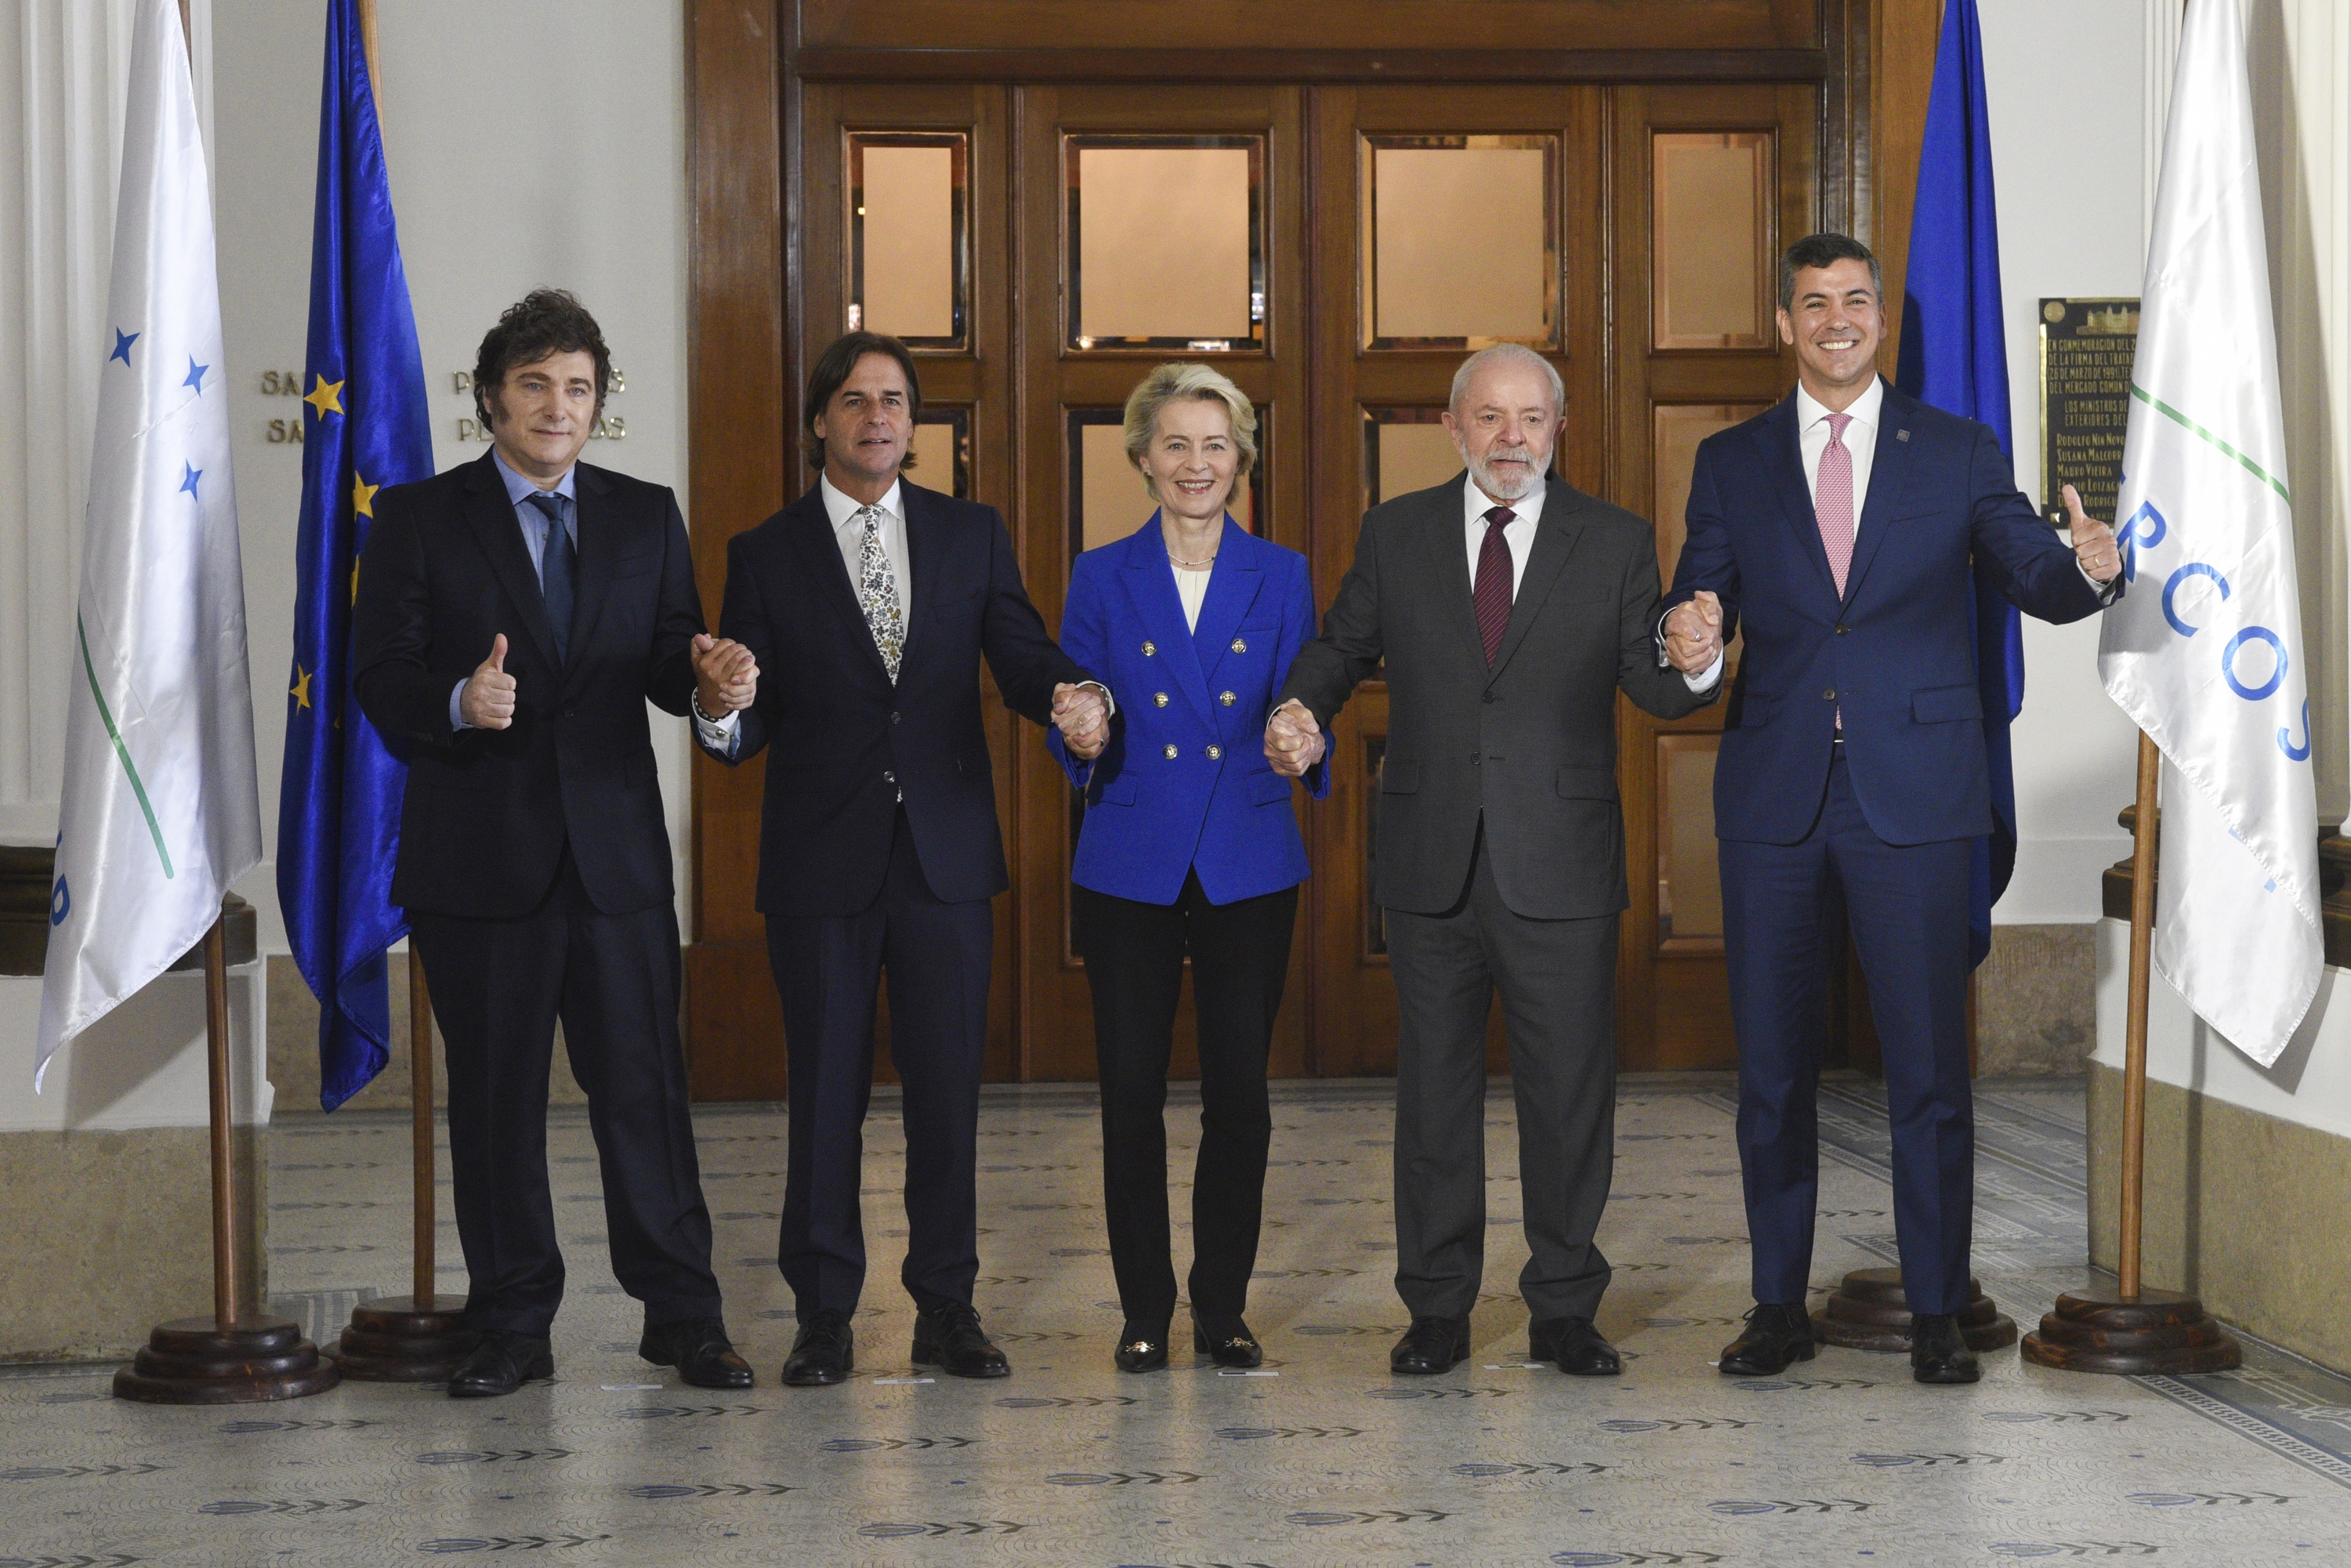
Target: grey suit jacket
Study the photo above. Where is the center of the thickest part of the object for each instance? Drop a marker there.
(1530, 743)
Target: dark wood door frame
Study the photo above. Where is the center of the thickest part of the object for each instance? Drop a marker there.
(748, 63)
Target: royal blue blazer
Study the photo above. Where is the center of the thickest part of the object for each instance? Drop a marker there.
(1183, 784)
(1896, 652)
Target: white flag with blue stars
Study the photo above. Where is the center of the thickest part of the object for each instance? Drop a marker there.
(159, 810)
(2205, 649)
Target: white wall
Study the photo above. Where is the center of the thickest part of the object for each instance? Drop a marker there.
(534, 143)
(2063, 91)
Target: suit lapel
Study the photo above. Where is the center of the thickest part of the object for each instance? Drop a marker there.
(599, 546)
(1233, 583)
(1784, 457)
(810, 532)
(1150, 584)
(1888, 467)
(1555, 536)
(926, 543)
(492, 516)
(1448, 566)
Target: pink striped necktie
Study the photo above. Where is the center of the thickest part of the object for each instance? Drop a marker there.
(1833, 500)
(1490, 595)
(1833, 505)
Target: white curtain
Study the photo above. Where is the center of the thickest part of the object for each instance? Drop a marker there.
(63, 65)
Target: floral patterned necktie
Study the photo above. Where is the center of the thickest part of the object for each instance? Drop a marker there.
(877, 594)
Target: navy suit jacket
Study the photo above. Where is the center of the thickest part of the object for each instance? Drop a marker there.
(845, 742)
(1897, 654)
(1158, 805)
(486, 813)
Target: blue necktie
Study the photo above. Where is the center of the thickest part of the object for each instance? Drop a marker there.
(555, 567)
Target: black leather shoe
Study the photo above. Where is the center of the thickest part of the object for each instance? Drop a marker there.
(1226, 1341)
(1937, 1354)
(501, 1364)
(1143, 1346)
(823, 1351)
(952, 1339)
(1430, 1345)
(700, 1350)
(1575, 1345)
(1777, 1333)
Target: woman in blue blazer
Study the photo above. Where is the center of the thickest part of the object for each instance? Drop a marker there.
(1190, 846)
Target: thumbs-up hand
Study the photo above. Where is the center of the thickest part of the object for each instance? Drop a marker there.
(1694, 633)
(489, 702)
(726, 676)
(2094, 542)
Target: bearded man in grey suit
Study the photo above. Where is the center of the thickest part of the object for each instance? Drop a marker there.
(1510, 609)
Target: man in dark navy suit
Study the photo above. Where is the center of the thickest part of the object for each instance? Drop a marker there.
(510, 621)
(874, 601)
(1839, 529)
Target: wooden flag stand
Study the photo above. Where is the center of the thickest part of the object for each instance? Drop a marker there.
(2129, 1329)
(420, 1337)
(235, 1356)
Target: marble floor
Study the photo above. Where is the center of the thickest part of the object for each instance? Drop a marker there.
(1319, 1458)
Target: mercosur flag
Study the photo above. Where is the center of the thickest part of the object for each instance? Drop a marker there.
(159, 812)
(2205, 651)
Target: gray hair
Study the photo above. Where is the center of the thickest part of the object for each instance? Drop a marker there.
(1174, 382)
(1504, 354)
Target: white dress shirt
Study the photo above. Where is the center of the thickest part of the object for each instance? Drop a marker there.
(849, 533)
(1860, 439)
(1192, 590)
(1519, 532)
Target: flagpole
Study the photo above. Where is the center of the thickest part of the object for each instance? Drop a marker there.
(2144, 826)
(2132, 1330)
(228, 1309)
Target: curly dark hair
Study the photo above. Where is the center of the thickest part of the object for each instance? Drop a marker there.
(833, 370)
(543, 322)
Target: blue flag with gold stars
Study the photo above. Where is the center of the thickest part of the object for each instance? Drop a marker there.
(338, 808)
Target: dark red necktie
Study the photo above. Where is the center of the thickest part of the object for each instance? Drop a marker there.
(1491, 597)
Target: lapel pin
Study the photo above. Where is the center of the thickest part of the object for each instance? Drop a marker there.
(1901, 435)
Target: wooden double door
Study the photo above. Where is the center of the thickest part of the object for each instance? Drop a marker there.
(1336, 250)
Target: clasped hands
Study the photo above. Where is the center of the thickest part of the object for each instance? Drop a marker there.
(1082, 717)
(1694, 635)
(726, 676)
(1293, 741)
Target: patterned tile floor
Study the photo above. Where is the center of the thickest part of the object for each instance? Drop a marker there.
(1323, 1459)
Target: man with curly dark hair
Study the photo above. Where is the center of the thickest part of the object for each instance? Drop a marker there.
(513, 617)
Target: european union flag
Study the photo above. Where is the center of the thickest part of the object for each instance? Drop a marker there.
(1955, 357)
(338, 811)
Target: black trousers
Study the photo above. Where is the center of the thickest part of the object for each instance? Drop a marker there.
(1135, 964)
(828, 969)
(1557, 979)
(499, 986)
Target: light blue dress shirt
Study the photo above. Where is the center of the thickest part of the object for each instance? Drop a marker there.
(533, 523)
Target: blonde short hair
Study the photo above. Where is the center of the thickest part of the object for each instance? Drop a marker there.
(1174, 382)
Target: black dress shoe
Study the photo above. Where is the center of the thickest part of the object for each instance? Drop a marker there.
(952, 1339)
(1430, 1345)
(1143, 1346)
(1575, 1345)
(1937, 1352)
(823, 1351)
(700, 1351)
(1777, 1333)
(501, 1364)
(1226, 1341)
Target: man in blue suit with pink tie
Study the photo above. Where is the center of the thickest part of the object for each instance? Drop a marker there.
(1838, 530)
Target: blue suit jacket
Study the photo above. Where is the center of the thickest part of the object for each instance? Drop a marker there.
(1158, 804)
(1897, 653)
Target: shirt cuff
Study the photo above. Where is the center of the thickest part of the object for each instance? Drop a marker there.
(2105, 590)
(721, 735)
(457, 708)
(1704, 680)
